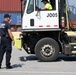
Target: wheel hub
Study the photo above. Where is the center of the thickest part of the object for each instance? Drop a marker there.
(47, 50)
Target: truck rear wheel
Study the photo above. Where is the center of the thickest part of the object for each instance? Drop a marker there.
(47, 49)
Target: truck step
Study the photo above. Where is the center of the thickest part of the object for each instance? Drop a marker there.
(73, 52)
(73, 48)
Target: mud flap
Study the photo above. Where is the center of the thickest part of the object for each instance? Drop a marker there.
(67, 49)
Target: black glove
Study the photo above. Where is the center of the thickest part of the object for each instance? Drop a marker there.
(37, 8)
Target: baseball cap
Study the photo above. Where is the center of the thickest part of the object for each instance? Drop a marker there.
(6, 16)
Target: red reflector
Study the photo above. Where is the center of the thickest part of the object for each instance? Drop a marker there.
(41, 26)
(48, 26)
(55, 25)
(63, 25)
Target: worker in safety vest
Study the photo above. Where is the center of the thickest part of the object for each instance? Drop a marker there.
(48, 6)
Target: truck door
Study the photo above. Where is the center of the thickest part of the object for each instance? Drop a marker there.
(33, 18)
(28, 20)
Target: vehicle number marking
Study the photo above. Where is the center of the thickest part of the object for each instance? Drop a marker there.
(52, 15)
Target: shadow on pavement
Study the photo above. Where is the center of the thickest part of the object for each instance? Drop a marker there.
(67, 58)
(60, 58)
(30, 58)
(17, 65)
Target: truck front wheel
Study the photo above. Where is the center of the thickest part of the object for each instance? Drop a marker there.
(47, 49)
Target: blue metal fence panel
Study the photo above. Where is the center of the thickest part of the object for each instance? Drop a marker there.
(16, 17)
(1, 17)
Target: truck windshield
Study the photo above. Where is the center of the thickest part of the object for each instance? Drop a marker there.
(30, 7)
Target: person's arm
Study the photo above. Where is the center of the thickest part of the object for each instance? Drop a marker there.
(44, 8)
(11, 36)
(47, 6)
(10, 33)
(10, 21)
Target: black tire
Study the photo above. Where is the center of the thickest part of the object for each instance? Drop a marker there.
(47, 49)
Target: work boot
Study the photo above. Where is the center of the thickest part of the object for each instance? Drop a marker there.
(8, 67)
(0, 67)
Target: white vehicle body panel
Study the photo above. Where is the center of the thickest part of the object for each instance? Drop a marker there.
(42, 19)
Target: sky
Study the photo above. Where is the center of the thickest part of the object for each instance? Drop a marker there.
(72, 2)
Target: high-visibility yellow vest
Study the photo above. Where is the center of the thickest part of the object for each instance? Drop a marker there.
(48, 6)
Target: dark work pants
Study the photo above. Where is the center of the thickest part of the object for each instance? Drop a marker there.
(6, 46)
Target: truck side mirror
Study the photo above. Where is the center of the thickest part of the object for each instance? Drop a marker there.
(38, 9)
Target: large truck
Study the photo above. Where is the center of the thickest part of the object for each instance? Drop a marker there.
(46, 33)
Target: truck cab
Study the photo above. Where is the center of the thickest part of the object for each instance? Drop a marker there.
(43, 31)
(40, 20)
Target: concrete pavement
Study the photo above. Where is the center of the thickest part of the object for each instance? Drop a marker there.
(24, 64)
